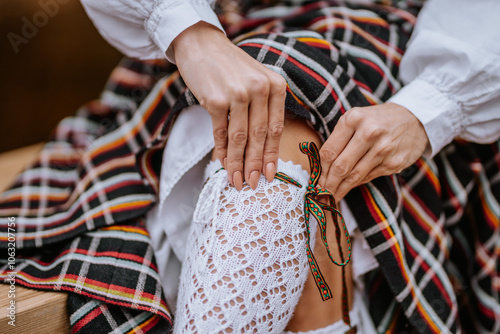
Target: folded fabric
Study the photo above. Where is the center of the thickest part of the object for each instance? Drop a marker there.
(434, 228)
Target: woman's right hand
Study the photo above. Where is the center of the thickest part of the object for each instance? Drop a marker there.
(228, 82)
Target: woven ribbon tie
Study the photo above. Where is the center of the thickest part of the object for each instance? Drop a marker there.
(314, 208)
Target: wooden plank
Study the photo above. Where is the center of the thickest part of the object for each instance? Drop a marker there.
(37, 312)
(13, 162)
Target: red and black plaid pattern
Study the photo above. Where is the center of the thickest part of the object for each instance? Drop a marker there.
(434, 228)
(87, 314)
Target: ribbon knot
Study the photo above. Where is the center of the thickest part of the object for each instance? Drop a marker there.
(314, 207)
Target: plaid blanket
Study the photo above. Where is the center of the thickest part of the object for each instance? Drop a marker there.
(79, 208)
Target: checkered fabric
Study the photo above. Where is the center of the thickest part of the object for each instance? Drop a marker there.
(434, 228)
(87, 314)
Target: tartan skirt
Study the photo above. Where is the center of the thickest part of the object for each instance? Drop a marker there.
(79, 209)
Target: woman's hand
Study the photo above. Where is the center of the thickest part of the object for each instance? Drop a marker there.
(227, 81)
(370, 142)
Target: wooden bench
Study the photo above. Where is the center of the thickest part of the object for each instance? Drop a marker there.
(37, 312)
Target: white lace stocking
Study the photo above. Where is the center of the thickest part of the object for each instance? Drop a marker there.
(245, 264)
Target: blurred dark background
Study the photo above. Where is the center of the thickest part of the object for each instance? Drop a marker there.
(47, 72)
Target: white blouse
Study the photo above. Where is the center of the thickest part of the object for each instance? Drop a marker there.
(451, 67)
(145, 29)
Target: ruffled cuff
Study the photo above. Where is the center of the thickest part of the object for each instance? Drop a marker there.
(439, 114)
(168, 20)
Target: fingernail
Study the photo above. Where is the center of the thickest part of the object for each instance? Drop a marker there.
(230, 178)
(238, 180)
(224, 162)
(270, 171)
(254, 179)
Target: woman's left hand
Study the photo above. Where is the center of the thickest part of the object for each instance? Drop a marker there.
(370, 142)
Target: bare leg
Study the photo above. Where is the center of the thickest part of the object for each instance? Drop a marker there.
(312, 312)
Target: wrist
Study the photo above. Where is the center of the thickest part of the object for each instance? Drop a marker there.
(196, 38)
(418, 130)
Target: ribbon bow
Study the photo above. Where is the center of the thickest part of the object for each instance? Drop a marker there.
(317, 209)
(313, 207)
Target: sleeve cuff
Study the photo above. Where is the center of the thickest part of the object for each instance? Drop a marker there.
(439, 114)
(168, 20)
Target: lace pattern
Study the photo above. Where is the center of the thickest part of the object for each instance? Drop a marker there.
(245, 265)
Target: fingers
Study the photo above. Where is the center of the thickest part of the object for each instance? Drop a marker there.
(358, 175)
(333, 147)
(387, 138)
(359, 153)
(248, 143)
(257, 133)
(370, 167)
(224, 78)
(220, 132)
(237, 140)
(275, 126)
(343, 165)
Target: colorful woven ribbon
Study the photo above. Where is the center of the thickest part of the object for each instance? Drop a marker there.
(313, 207)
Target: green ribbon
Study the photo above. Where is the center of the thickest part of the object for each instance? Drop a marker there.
(313, 207)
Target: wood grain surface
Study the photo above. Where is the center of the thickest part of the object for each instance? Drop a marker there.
(37, 312)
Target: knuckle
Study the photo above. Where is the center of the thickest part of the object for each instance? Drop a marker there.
(386, 149)
(215, 103)
(239, 137)
(329, 185)
(327, 154)
(220, 151)
(354, 178)
(259, 132)
(254, 160)
(372, 131)
(341, 169)
(353, 116)
(235, 166)
(240, 94)
(220, 134)
(276, 129)
(260, 86)
(395, 165)
(278, 83)
(271, 153)
(235, 162)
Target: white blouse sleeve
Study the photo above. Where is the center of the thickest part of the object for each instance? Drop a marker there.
(145, 29)
(452, 72)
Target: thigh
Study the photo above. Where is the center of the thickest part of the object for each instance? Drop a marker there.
(295, 132)
(245, 264)
(312, 312)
